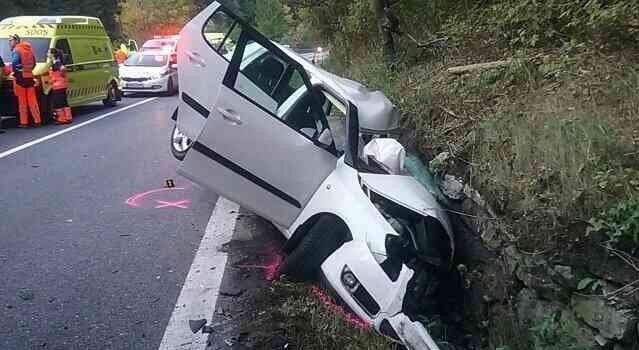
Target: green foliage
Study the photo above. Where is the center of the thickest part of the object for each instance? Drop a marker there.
(620, 221)
(106, 10)
(533, 23)
(142, 19)
(591, 283)
(553, 333)
(272, 19)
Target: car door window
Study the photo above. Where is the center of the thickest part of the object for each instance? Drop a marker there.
(271, 81)
(63, 46)
(221, 32)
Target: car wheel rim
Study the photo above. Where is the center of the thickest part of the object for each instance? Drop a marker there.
(181, 142)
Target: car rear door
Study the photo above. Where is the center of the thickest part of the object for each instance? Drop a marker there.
(201, 70)
(245, 152)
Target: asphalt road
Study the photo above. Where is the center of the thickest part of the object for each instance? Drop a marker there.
(84, 262)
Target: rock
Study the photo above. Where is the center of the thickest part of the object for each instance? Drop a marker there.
(565, 272)
(601, 341)
(576, 329)
(512, 257)
(612, 323)
(452, 187)
(566, 275)
(530, 309)
(490, 233)
(26, 294)
(440, 162)
(534, 273)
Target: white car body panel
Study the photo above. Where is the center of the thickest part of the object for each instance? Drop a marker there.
(341, 195)
(200, 84)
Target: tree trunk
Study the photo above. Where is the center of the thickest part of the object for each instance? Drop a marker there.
(385, 32)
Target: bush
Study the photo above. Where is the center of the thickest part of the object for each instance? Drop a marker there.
(619, 222)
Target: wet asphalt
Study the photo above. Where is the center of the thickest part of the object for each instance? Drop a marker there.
(80, 268)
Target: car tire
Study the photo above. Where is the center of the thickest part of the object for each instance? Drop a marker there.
(180, 143)
(304, 262)
(112, 95)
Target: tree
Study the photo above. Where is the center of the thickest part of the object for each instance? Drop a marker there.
(272, 18)
(142, 19)
(106, 10)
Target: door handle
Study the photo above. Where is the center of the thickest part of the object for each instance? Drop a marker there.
(230, 116)
(195, 58)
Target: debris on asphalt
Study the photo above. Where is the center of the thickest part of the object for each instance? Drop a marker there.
(68, 220)
(125, 235)
(35, 166)
(236, 293)
(26, 294)
(196, 325)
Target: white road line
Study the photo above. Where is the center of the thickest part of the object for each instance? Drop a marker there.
(202, 286)
(69, 129)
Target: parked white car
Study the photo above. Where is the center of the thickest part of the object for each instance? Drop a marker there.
(149, 72)
(314, 154)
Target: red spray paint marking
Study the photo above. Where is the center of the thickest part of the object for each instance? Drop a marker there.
(182, 204)
(134, 200)
(351, 319)
(271, 266)
(271, 272)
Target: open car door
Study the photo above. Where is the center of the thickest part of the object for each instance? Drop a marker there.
(201, 70)
(245, 152)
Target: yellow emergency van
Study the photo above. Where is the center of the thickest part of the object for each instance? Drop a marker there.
(87, 52)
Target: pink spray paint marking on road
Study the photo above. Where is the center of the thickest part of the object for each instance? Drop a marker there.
(182, 204)
(134, 200)
(271, 266)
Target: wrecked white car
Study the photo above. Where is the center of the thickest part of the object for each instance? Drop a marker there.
(314, 154)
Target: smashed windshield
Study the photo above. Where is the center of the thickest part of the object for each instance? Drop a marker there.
(40, 47)
(141, 60)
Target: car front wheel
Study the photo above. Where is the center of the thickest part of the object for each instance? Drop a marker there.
(180, 143)
(323, 238)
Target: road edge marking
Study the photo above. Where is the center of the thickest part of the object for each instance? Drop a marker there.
(201, 287)
(69, 129)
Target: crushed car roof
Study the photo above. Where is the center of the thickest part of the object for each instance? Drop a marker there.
(376, 113)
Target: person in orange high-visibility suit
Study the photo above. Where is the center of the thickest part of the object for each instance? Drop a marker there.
(59, 85)
(120, 56)
(22, 63)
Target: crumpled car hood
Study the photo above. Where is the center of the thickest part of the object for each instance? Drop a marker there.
(408, 192)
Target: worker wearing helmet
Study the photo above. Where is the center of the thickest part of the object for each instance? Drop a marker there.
(22, 64)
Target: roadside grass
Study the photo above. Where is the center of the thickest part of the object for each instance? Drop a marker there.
(290, 313)
(551, 140)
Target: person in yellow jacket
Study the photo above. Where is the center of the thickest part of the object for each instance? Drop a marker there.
(59, 85)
